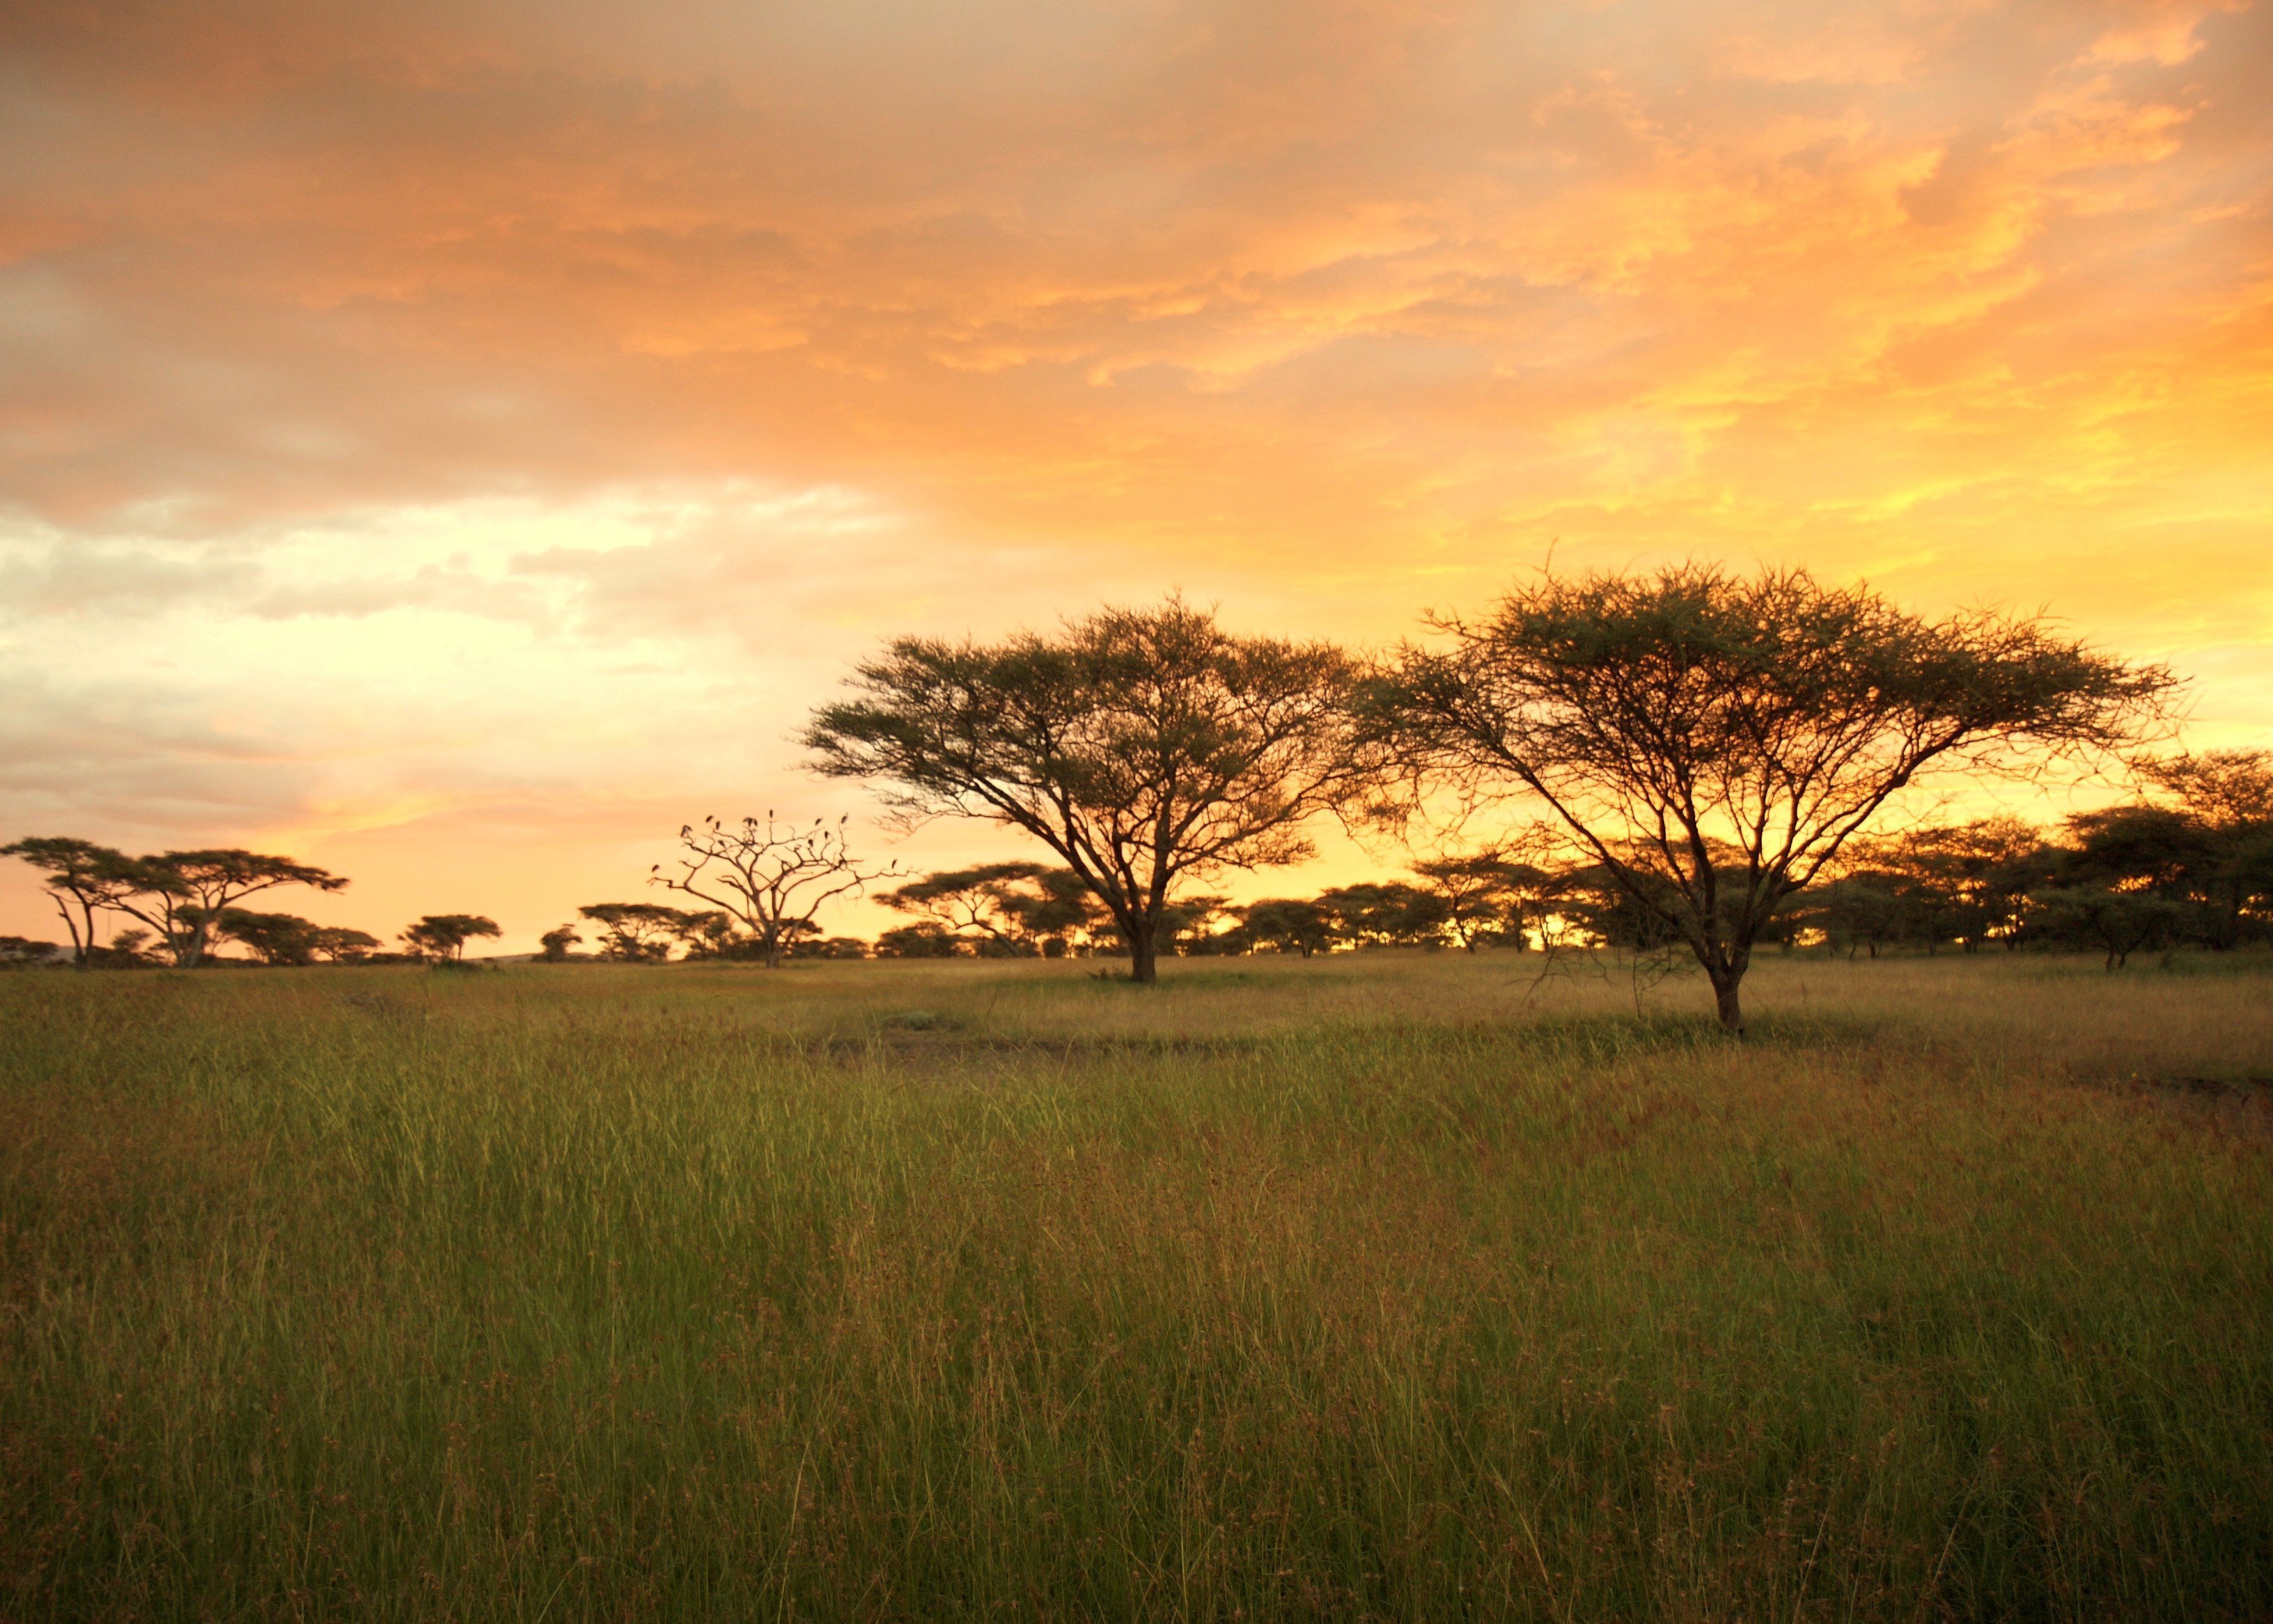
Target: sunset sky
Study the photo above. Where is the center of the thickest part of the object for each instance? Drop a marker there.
(457, 444)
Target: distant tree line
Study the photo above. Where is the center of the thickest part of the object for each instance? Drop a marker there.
(184, 903)
(2189, 864)
(1708, 760)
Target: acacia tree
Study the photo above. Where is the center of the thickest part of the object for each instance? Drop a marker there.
(1143, 746)
(1289, 922)
(2119, 923)
(182, 895)
(1474, 894)
(1713, 740)
(442, 937)
(1187, 924)
(709, 933)
(636, 932)
(1015, 906)
(288, 939)
(341, 944)
(2227, 796)
(1386, 913)
(1972, 880)
(774, 877)
(273, 938)
(83, 879)
(924, 939)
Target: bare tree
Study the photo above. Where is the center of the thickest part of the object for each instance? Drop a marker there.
(1711, 741)
(1145, 747)
(772, 876)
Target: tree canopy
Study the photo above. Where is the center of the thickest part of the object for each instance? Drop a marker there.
(180, 896)
(1013, 908)
(1712, 740)
(83, 880)
(1143, 746)
(1290, 924)
(443, 937)
(637, 932)
(16, 952)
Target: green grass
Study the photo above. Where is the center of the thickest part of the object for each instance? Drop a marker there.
(1402, 1287)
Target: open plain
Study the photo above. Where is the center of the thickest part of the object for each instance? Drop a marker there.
(1415, 1286)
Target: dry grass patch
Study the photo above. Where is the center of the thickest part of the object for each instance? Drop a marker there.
(1408, 1286)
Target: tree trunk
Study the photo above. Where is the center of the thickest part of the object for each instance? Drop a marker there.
(79, 949)
(1144, 957)
(1725, 984)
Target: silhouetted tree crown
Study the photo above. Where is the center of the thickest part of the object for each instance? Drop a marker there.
(637, 932)
(1387, 913)
(1712, 740)
(83, 880)
(443, 937)
(18, 953)
(182, 895)
(1141, 746)
(274, 938)
(1290, 924)
(1016, 909)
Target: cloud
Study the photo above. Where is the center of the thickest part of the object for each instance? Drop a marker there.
(591, 360)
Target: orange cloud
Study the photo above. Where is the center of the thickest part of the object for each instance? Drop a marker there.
(518, 378)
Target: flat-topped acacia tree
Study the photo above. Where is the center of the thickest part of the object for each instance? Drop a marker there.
(1013, 905)
(442, 937)
(1711, 739)
(180, 895)
(1141, 746)
(83, 879)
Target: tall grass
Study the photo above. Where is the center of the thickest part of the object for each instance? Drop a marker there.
(1391, 1287)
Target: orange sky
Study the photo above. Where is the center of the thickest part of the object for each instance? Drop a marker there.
(457, 444)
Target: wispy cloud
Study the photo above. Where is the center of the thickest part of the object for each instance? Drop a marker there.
(593, 360)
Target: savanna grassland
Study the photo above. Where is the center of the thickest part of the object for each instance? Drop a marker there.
(1388, 1285)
